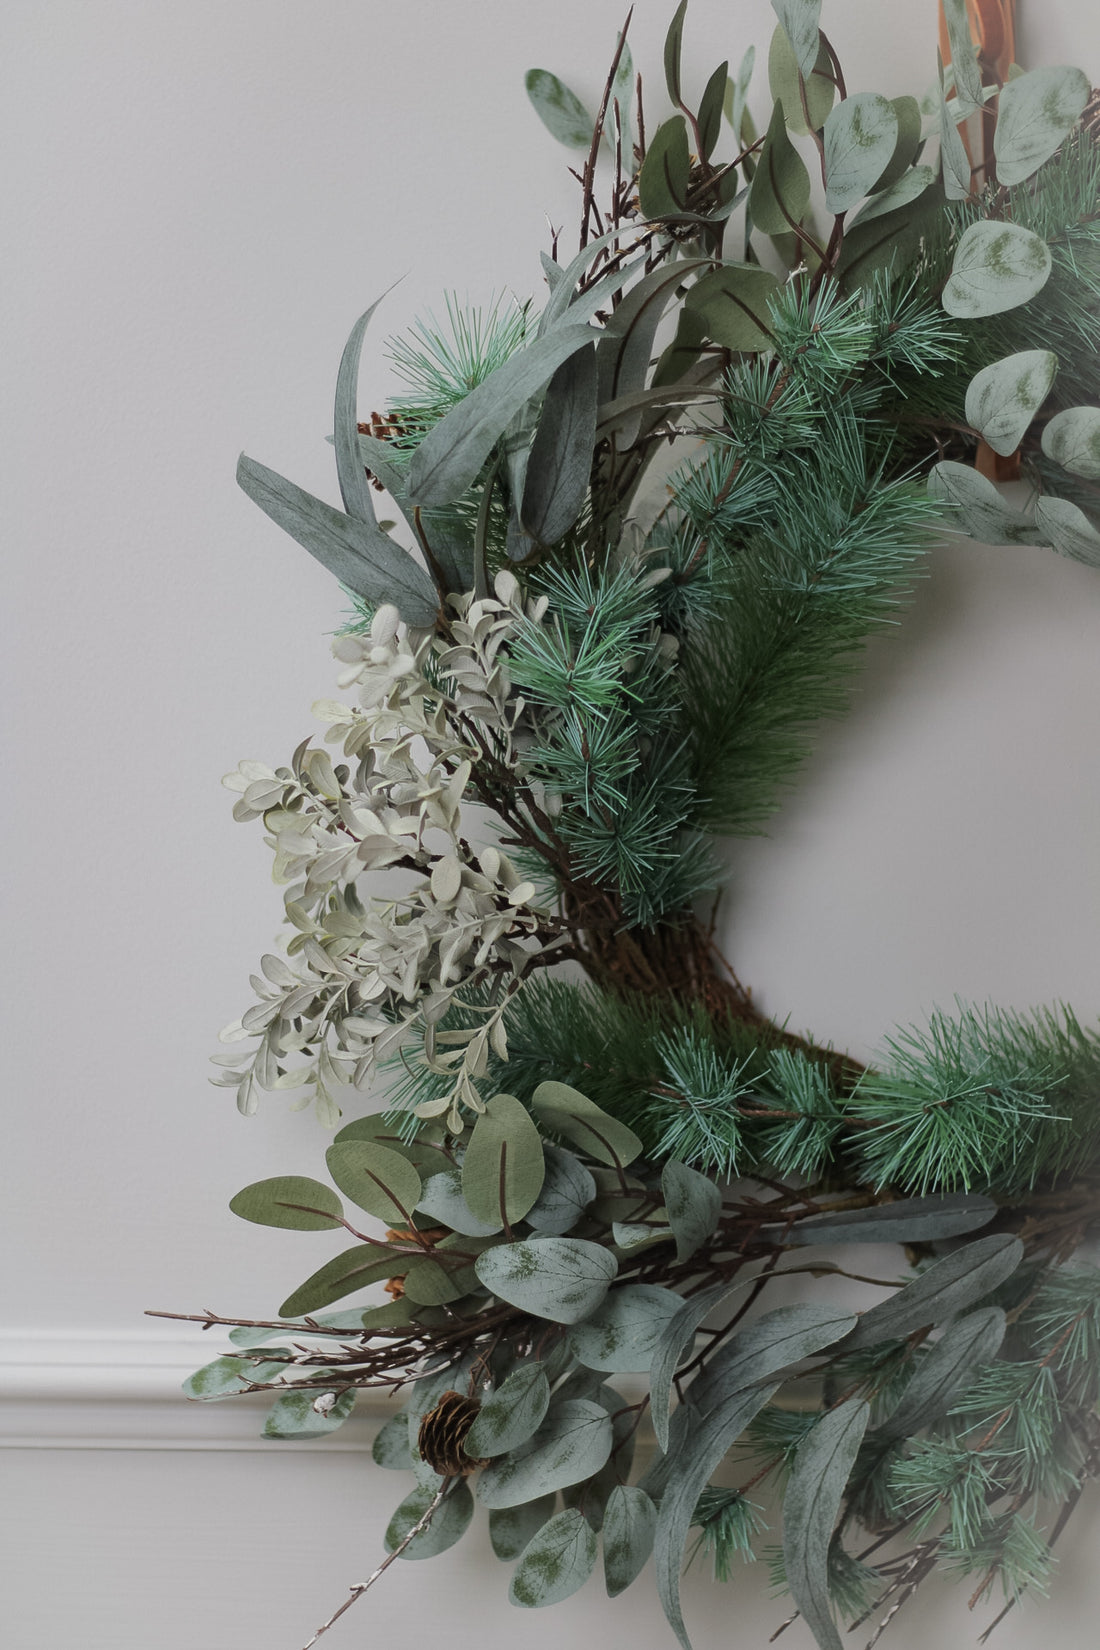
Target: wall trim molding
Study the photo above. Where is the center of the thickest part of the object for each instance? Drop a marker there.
(120, 1389)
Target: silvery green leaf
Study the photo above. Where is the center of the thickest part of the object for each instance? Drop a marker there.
(822, 1463)
(563, 287)
(705, 1442)
(227, 1376)
(573, 1443)
(675, 1343)
(629, 1522)
(907, 148)
(666, 171)
(739, 91)
(625, 352)
(290, 1200)
(452, 553)
(800, 19)
(783, 81)
(694, 1206)
(906, 189)
(860, 136)
(584, 1124)
(357, 553)
(946, 1288)
(376, 1178)
(965, 1345)
(449, 1521)
(1035, 112)
(390, 1448)
(454, 451)
(556, 1562)
(558, 1278)
(296, 1415)
(511, 1528)
(964, 59)
(560, 460)
(560, 110)
(1072, 439)
(780, 190)
(732, 302)
(954, 160)
(346, 1272)
(673, 46)
(621, 1334)
(1003, 398)
(355, 489)
(631, 1234)
(996, 267)
(1068, 529)
(566, 1193)
(909, 1220)
(503, 1169)
(442, 1199)
(772, 1343)
(511, 1414)
(591, 1496)
(981, 510)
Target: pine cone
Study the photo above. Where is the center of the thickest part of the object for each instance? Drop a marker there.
(442, 1433)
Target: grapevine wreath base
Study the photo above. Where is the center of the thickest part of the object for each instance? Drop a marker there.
(579, 1179)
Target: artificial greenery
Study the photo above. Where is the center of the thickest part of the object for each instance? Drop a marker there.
(618, 661)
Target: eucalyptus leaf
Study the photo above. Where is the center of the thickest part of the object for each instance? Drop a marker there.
(449, 1523)
(732, 302)
(228, 1376)
(621, 1334)
(294, 1415)
(291, 1201)
(454, 451)
(965, 1345)
(954, 159)
(997, 266)
(694, 1206)
(800, 20)
(1072, 439)
(676, 1341)
(822, 1464)
(673, 47)
(452, 553)
(359, 554)
(1003, 398)
(906, 189)
(348, 1271)
(430, 1282)
(376, 1178)
(503, 1169)
(1036, 111)
(624, 354)
(964, 58)
(772, 1343)
(510, 1415)
(557, 1561)
(663, 179)
(980, 509)
(738, 91)
(511, 1528)
(783, 81)
(1068, 529)
(860, 137)
(390, 1448)
(442, 1200)
(908, 1220)
(560, 110)
(563, 295)
(629, 1235)
(709, 115)
(584, 1124)
(889, 240)
(558, 1278)
(355, 489)
(948, 1287)
(629, 1523)
(560, 461)
(572, 1443)
(907, 148)
(566, 1192)
(780, 190)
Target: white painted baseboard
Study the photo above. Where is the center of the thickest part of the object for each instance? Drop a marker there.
(121, 1390)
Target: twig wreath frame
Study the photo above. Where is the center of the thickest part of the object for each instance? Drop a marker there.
(579, 1181)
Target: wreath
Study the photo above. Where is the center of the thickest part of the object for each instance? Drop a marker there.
(653, 517)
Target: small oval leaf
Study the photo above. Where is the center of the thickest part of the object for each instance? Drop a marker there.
(1035, 112)
(693, 1204)
(1003, 398)
(292, 1201)
(449, 1521)
(510, 1415)
(560, 110)
(996, 267)
(621, 1334)
(584, 1124)
(503, 1170)
(556, 1562)
(1072, 439)
(376, 1178)
(558, 1278)
(629, 1521)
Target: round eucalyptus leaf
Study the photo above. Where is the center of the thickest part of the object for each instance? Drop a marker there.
(783, 82)
(560, 110)
(996, 267)
(861, 135)
(390, 1448)
(904, 190)
(442, 1200)
(1068, 529)
(1035, 112)
(1004, 397)
(732, 302)
(558, 1278)
(511, 1414)
(503, 1170)
(800, 20)
(693, 1203)
(376, 1178)
(556, 1562)
(228, 1376)
(980, 509)
(1072, 439)
(566, 1193)
(780, 189)
(584, 1124)
(346, 1272)
(572, 1443)
(629, 1521)
(907, 147)
(449, 1524)
(621, 1334)
(304, 1415)
(511, 1528)
(290, 1200)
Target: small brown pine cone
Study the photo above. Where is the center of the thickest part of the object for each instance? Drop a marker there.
(442, 1433)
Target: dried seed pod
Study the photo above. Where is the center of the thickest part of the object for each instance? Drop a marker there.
(442, 1433)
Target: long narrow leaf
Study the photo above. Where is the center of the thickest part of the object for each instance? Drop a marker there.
(816, 1488)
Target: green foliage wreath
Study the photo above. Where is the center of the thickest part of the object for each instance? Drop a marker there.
(831, 337)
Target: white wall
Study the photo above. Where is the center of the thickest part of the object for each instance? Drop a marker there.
(201, 199)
